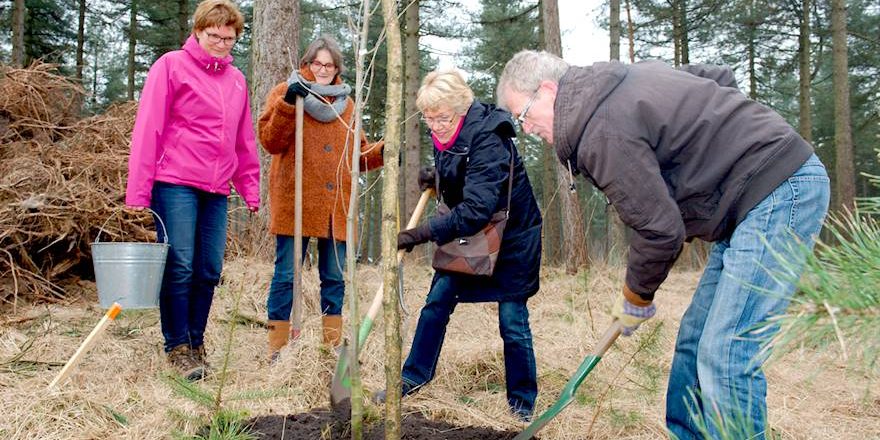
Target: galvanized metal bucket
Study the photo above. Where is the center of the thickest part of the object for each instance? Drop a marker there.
(129, 273)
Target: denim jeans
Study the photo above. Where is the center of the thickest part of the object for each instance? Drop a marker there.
(513, 324)
(716, 359)
(331, 264)
(196, 223)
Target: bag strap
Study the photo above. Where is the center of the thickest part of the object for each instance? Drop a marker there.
(509, 183)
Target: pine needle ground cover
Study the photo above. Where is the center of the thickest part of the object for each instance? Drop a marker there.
(120, 390)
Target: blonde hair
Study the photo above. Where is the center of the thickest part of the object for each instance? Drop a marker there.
(329, 44)
(445, 88)
(216, 13)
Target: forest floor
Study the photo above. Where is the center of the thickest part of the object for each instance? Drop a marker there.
(121, 390)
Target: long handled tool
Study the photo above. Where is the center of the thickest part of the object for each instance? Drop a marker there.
(296, 320)
(340, 386)
(568, 391)
(105, 321)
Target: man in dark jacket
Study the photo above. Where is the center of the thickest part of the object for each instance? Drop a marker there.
(683, 154)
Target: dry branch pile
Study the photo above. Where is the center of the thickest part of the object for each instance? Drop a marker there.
(61, 177)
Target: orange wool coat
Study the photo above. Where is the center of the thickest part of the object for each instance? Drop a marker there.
(326, 169)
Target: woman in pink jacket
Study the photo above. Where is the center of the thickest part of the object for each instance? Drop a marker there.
(192, 136)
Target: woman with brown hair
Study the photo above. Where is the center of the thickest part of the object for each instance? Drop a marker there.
(192, 136)
(326, 186)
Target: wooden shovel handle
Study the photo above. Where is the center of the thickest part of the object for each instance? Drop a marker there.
(105, 321)
(296, 319)
(413, 222)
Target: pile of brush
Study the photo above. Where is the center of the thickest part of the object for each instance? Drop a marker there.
(61, 177)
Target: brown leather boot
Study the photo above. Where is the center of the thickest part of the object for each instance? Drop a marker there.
(279, 332)
(332, 327)
(185, 364)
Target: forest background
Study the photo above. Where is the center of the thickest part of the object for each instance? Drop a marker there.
(781, 51)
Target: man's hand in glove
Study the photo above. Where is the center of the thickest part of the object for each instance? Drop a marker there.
(427, 178)
(632, 315)
(409, 238)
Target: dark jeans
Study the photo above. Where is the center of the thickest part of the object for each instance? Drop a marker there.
(196, 223)
(513, 324)
(331, 264)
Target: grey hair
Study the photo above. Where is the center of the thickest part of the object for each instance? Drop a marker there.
(525, 71)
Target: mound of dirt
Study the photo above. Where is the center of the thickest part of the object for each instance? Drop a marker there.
(327, 424)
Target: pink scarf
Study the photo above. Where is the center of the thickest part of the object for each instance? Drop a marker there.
(443, 146)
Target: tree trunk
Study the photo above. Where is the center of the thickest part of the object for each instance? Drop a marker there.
(132, 47)
(274, 54)
(412, 153)
(630, 31)
(805, 119)
(683, 31)
(390, 302)
(574, 238)
(844, 166)
(19, 10)
(676, 33)
(614, 25)
(752, 51)
(351, 287)
(183, 28)
(81, 40)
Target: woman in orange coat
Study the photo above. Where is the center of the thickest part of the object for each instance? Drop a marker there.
(326, 186)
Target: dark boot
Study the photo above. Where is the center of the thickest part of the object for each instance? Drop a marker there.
(185, 364)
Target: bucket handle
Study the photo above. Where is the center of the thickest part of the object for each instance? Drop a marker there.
(165, 231)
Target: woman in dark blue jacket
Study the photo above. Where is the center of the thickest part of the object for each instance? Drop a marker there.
(474, 143)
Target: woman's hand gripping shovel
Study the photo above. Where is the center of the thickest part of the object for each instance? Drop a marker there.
(340, 386)
(568, 391)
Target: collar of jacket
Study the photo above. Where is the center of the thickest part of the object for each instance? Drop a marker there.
(482, 118)
(580, 92)
(209, 62)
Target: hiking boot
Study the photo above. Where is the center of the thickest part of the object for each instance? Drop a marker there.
(185, 364)
(523, 415)
(201, 356)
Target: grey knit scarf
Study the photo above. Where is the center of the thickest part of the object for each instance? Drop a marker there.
(318, 107)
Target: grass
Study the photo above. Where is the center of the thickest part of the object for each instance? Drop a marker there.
(119, 392)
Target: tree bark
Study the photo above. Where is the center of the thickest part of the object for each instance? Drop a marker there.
(274, 54)
(412, 134)
(81, 40)
(19, 10)
(132, 47)
(752, 27)
(183, 28)
(805, 110)
(390, 214)
(351, 286)
(630, 33)
(676, 33)
(614, 25)
(844, 166)
(683, 31)
(574, 238)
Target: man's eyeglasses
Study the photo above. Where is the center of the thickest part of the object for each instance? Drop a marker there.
(442, 121)
(521, 119)
(214, 38)
(317, 65)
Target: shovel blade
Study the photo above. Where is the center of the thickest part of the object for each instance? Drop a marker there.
(340, 385)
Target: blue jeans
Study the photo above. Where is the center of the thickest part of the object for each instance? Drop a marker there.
(716, 359)
(513, 324)
(331, 264)
(196, 223)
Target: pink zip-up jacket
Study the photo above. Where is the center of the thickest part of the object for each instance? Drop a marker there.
(193, 128)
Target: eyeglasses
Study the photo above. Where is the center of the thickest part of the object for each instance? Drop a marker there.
(442, 121)
(214, 38)
(521, 119)
(317, 65)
